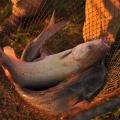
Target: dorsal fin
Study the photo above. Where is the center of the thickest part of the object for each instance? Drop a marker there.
(64, 54)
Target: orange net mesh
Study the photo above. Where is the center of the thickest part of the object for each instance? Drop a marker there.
(102, 20)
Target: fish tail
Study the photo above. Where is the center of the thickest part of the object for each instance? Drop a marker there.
(51, 29)
(5, 60)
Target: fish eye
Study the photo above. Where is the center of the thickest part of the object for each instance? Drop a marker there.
(90, 46)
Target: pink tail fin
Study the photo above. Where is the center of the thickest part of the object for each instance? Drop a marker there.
(10, 52)
(52, 21)
(33, 49)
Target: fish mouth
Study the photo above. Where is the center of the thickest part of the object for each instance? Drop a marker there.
(105, 47)
(104, 44)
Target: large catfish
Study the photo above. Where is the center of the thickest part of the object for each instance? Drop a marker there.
(54, 68)
(77, 89)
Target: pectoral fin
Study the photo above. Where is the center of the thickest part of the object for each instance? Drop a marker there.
(64, 54)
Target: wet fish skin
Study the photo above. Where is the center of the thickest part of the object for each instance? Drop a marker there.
(54, 68)
(68, 94)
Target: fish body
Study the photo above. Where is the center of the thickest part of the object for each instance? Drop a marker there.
(54, 68)
(64, 96)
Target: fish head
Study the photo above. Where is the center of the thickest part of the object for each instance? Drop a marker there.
(90, 52)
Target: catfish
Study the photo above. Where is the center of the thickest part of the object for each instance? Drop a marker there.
(54, 68)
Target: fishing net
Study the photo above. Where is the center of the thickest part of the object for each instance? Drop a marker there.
(95, 18)
(103, 21)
